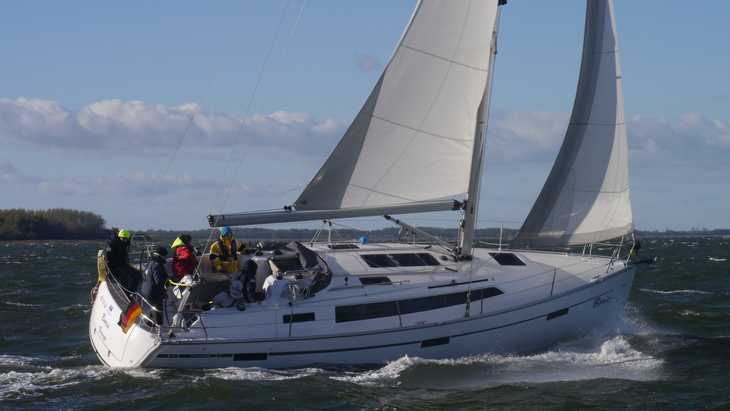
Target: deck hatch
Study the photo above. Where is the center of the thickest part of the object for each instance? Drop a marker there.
(378, 260)
(347, 246)
(507, 259)
(412, 305)
(298, 318)
(400, 260)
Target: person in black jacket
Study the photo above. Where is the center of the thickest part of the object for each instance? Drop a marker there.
(119, 248)
(153, 283)
(118, 259)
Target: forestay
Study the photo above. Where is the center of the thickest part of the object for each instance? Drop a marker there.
(412, 140)
(586, 196)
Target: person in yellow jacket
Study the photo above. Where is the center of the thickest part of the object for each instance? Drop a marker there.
(224, 252)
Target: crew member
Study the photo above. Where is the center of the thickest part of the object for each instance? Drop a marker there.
(118, 259)
(184, 261)
(153, 283)
(119, 248)
(224, 252)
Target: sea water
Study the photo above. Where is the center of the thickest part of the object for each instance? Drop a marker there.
(669, 350)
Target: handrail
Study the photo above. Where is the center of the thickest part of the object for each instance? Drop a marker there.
(126, 290)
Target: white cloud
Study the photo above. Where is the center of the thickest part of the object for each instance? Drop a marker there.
(538, 135)
(135, 126)
(138, 126)
(520, 135)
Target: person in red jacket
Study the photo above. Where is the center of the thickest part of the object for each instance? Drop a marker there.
(184, 261)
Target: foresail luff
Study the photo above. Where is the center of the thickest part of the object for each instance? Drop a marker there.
(412, 140)
(586, 196)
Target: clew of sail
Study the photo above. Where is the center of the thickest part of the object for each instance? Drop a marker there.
(412, 140)
(586, 196)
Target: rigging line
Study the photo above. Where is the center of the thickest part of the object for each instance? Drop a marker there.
(179, 144)
(252, 97)
(227, 191)
(299, 17)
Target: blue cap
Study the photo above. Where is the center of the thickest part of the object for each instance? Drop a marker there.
(225, 230)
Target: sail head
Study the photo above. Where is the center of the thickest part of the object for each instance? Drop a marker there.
(586, 196)
(412, 140)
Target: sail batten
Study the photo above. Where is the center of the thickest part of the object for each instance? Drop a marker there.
(586, 196)
(413, 138)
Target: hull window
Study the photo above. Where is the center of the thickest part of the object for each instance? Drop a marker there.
(413, 305)
(256, 356)
(374, 280)
(434, 342)
(556, 314)
(365, 311)
(298, 318)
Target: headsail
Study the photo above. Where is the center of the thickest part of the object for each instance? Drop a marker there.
(586, 196)
(412, 140)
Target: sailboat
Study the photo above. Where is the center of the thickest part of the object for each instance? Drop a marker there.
(417, 145)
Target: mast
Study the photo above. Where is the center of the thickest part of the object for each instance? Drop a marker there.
(468, 224)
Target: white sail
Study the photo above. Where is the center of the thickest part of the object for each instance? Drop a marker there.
(412, 140)
(586, 196)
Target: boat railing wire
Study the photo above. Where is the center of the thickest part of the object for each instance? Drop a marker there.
(123, 297)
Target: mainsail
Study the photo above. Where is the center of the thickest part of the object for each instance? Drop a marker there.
(586, 196)
(412, 141)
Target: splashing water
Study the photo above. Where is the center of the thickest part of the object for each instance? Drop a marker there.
(615, 358)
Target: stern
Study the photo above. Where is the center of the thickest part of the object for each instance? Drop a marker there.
(114, 346)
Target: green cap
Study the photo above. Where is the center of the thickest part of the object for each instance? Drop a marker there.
(124, 234)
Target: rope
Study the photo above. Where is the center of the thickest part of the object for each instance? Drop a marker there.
(252, 97)
(259, 78)
(178, 145)
(170, 282)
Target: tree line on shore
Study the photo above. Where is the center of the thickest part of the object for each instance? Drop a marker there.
(53, 224)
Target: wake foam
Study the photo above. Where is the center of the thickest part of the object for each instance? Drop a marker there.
(32, 383)
(670, 292)
(16, 304)
(615, 358)
(260, 374)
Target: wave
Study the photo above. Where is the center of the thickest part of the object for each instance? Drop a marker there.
(73, 307)
(21, 384)
(689, 313)
(614, 359)
(16, 304)
(649, 290)
(20, 360)
(261, 374)
(717, 260)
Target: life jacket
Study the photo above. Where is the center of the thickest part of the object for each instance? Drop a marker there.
(225, 253)
(183, 261)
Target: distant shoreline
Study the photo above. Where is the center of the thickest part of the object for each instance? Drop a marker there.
(60, 224)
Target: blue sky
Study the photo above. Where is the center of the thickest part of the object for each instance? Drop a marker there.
(95, 96)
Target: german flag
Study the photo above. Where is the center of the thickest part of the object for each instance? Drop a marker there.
(129, 316)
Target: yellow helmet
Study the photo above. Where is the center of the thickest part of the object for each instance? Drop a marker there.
(177, 243)
(125, 234)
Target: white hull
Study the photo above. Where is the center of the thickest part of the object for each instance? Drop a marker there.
(526, 320)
